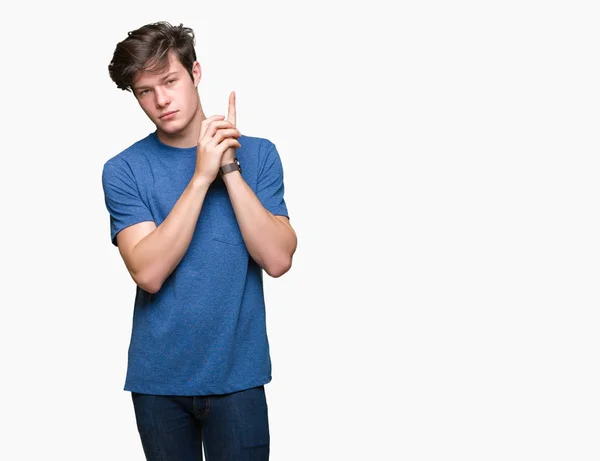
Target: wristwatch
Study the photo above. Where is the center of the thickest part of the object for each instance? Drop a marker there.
(231, 167)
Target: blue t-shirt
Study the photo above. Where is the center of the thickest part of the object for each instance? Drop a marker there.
(204, 332)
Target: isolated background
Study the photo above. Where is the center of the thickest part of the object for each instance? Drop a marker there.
(441, 170)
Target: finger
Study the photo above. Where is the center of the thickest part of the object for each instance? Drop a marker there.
(231, 114)
(226, 133)
(212, 118)
(212, 127)
(207, 121)
(217, 125)
(227, 143)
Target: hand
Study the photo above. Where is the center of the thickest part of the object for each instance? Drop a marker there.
(229, 154)
(216, 136)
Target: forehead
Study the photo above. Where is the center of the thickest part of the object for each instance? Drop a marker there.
(152, 75)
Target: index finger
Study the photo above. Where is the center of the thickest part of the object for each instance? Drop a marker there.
(231, 114)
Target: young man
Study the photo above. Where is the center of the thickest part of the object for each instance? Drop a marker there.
(197, 213)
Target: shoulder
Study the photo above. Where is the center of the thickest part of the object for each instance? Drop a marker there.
(130, 155)
(261, 149)
(255, 143)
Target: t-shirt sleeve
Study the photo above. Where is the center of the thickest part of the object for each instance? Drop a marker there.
(270, 187)
(122, 200)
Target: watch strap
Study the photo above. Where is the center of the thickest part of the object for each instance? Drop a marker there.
(230, 167)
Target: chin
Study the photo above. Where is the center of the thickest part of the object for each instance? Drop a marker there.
(177, 125)
(171, 128)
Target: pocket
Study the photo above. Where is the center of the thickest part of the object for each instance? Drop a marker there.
(224, 226)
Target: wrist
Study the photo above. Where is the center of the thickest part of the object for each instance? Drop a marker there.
(200, 182)
(230, 168)
(228, 156)
(227, 160)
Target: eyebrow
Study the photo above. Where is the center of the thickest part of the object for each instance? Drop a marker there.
(166, 77)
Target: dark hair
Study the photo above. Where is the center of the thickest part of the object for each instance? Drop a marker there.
(147, 49)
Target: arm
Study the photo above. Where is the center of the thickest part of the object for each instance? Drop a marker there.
(270, 239)
(151, 253)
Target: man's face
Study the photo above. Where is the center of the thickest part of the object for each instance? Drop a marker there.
(169, 97)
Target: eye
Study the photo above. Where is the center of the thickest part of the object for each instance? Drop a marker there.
(143, 92)
(170, 82)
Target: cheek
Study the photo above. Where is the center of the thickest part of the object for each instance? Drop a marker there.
(192, 98)
(146, 107)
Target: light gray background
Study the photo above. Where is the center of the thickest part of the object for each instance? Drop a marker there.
(441, 169)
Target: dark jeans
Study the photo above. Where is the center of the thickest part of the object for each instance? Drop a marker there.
(232, 427)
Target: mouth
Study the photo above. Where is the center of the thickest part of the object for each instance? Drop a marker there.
(168, 115)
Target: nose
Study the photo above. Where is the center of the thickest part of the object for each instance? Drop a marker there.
(162, 97)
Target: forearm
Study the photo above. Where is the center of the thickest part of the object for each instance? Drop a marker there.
(270, 242)
(158, 254)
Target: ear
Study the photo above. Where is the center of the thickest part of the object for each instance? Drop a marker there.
(196, 72)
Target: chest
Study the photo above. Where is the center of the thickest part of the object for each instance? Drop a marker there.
(167, 179)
